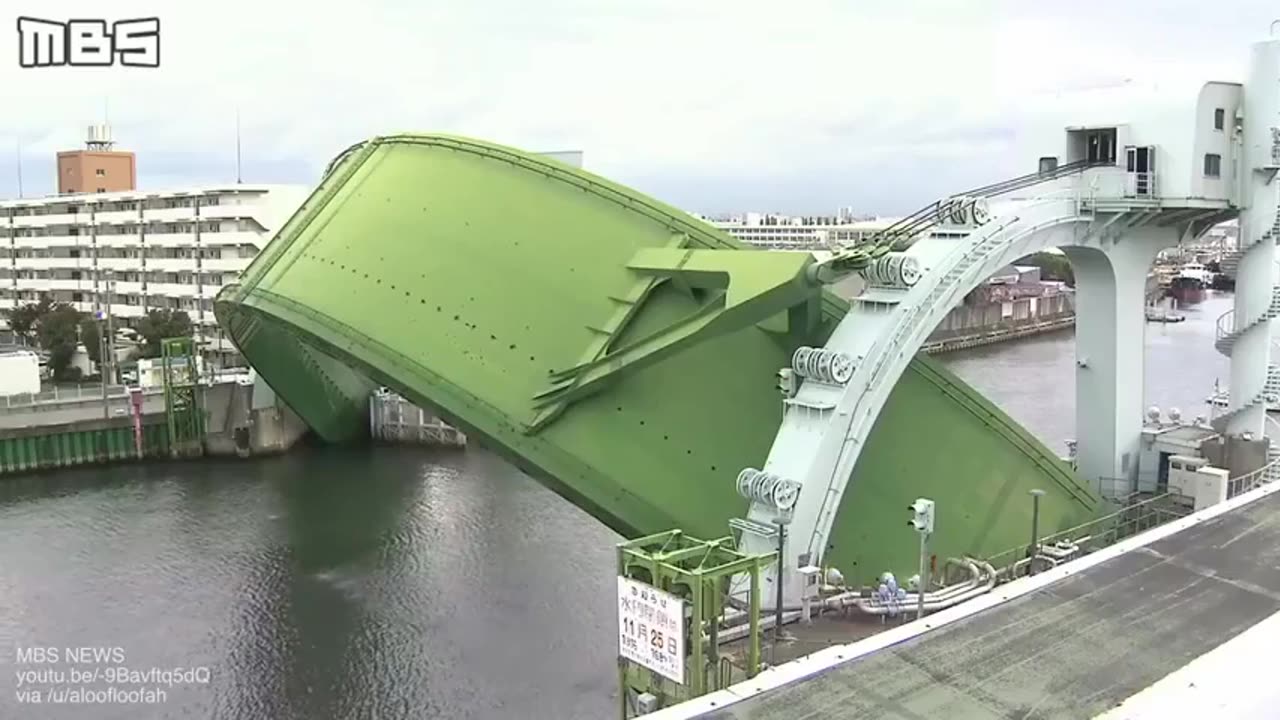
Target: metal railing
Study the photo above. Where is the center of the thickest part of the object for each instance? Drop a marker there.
(58, 395)
(1140, 184)
(1138, 514)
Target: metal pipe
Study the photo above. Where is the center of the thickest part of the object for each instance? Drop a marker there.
(932, 601)
(738, 632)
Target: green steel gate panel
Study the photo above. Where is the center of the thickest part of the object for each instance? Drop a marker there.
(461, 273)
(65, 448)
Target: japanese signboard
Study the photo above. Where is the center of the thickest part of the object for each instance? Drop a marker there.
(651, 628)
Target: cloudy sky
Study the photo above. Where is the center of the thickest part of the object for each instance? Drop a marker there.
(713, 105)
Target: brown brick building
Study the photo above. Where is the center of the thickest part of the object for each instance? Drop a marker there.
(88, 171)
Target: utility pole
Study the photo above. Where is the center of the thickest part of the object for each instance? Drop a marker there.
(106, 349)
(237, 146)
(777, 608)
(1036, 494)
(19, 158)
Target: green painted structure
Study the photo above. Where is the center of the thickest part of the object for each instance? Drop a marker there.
(81, 443)
(561, 319)
(182, 408)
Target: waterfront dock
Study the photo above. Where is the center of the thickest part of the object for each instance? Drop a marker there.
(80, 425)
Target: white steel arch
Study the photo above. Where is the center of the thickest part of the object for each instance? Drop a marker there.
(826, 425)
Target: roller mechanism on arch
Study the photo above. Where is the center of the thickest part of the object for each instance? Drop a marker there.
(659, 374)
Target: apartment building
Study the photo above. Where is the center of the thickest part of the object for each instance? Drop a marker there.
(141, 251)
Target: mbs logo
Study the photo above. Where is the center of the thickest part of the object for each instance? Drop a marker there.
(88, 43)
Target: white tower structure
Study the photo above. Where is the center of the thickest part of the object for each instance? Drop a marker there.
(1245, 333)
(1144, 174)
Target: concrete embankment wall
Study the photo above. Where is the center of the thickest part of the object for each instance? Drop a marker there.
(986, 318)
(984, 323)
(237, 425)
(73, 432)
(80, 442)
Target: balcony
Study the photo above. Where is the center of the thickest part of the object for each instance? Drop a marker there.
(38, 263)
(235, 237)
(47, 220)
(169, 214)
(155, 264)
(178, 290)
(42, 242)
(114, 216)
(120, 264)
(115, 240)
(224, 264)
(171, 239)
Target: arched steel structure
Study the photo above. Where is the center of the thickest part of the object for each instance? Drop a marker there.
(613, 347)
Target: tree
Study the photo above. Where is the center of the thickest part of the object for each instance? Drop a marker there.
(91, 336)
(58, 333)
(1052, 267)
(23, 320)
(161, 324)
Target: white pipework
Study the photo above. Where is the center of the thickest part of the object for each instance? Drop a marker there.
(982, 581)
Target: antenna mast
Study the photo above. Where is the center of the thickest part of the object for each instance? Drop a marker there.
(238, 146)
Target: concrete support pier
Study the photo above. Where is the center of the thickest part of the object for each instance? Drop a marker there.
(1110, 327)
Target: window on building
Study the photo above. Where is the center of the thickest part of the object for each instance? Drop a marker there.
(1212, 165)
(102, 190)
(100, 172)
(1219, 118)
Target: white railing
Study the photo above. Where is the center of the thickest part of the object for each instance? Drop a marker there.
(1268, 473)
(60, 395)
(1140, 184)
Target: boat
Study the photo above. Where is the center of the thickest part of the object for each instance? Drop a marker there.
(1220, 399)
(1164, 315)
(1190, 283)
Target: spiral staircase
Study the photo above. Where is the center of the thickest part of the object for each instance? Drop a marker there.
(1229, 331)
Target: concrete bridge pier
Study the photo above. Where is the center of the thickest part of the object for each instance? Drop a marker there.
(1110, 326)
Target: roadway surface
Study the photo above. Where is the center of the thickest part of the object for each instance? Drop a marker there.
(1075, 648)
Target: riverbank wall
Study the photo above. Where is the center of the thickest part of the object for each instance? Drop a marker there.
(1010, 311)
(996, 313)
(82, 442)
(240, 420)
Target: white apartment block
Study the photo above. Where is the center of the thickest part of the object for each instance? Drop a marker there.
(165, 250)
(784, 232)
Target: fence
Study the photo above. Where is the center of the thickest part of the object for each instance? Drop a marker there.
(392, 418)
(69, 395)
(1138, 514)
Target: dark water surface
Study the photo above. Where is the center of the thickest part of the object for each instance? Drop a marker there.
(387, 583)
(393, 583)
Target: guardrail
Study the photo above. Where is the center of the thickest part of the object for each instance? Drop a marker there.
(1137, 514)
(65, 395)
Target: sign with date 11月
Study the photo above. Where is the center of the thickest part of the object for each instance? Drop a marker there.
(651, 628)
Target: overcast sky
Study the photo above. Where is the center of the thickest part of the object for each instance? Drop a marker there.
(713, 105)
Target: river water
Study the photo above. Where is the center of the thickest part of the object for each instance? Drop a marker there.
(377, 583)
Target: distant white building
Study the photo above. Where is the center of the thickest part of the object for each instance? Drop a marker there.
(159, 250)
(785, 232)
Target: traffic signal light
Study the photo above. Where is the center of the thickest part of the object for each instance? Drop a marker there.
(921, 515)
(787, 382)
